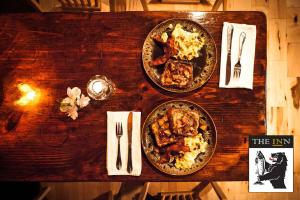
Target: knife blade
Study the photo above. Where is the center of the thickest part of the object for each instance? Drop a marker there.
(228, 61)
(129, 132)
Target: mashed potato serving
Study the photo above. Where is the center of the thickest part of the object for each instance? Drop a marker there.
(187, 43)
(196, 145)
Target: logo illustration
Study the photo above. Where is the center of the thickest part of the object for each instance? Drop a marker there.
(270, 164)
(275, 173)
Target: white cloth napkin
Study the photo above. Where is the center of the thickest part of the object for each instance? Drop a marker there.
(112, 143)
(247, 57)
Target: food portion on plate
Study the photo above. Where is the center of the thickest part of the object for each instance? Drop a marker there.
(178, 43)
(177, 74)
(178, 137)
(180, 48)
(179, 55)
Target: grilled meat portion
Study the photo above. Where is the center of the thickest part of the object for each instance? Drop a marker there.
(169, 50)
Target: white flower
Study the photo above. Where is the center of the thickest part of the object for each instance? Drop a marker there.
(83, 101)
(73, 112)
(70, 103)
(74, 93)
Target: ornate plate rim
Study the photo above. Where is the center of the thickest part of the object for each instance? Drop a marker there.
(144, 145)
(174, 90)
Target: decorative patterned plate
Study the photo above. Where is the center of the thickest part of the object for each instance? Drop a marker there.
(148, 141)
(203, 66)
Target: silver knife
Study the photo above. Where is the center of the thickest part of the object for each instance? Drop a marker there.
(129, 132)
(228, 63)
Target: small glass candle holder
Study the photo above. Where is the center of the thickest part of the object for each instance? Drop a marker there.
(100, 88)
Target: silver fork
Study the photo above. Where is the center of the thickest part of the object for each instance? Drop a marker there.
(119, 133)
(238, 67)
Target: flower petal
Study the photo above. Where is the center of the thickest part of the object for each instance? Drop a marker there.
(74, 93)
(73, 113)
(68, 100)
(83, 101)
(69, 92)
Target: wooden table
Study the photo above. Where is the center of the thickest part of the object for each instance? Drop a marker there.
(53, 51)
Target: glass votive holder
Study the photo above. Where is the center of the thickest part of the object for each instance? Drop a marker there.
(100, 88)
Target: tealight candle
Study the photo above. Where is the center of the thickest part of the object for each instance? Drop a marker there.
(100, 88)
(97, 86)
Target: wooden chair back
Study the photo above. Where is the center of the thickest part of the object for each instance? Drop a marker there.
(66, 5)
(188, 195)
(80, 5)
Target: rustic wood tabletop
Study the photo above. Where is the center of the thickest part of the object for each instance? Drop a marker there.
(53, 51)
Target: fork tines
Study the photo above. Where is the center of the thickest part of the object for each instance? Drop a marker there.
(119, 129)
(237, 72)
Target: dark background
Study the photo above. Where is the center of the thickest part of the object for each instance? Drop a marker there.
(18, 190)
(12, 6)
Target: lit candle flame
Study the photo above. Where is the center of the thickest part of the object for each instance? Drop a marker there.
(28, 95)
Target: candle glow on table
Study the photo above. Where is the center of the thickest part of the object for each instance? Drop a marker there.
(29, 95)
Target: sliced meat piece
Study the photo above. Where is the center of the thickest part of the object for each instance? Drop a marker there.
(183, 122)
(160, 60)
(157, 38)
(169, 51)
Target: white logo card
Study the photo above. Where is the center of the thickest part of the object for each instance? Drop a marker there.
(271, 163)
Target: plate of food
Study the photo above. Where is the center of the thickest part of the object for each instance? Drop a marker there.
(179, 137)
(179, 55)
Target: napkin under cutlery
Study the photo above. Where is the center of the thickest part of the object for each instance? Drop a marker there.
(112, 143)
(247, 57)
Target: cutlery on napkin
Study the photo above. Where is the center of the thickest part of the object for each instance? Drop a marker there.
(112, 141)
(247, 57)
